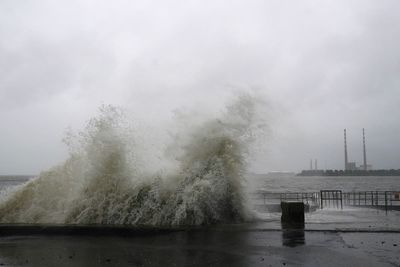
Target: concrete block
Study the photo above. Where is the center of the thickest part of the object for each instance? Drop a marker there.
(292, 212)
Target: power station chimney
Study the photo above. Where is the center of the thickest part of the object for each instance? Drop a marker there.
(316, 164)
(310, 164)
(365, 152)
(346, 162)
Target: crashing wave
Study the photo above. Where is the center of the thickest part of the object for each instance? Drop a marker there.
(104, 180)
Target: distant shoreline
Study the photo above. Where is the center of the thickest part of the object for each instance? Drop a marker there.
(391, 172)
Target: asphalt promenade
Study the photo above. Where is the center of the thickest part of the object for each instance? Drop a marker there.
(236, 245)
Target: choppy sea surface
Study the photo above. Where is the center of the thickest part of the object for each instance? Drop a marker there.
(317, 183)
(7, 181)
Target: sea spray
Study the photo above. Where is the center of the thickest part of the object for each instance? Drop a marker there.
(106, 181)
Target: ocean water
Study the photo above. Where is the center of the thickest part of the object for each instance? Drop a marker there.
(317, 183)
(9, 181)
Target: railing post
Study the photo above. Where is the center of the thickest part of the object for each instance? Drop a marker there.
(337, 199)
(341, 200)
(372, 198)
(386, 201)
(321, 199)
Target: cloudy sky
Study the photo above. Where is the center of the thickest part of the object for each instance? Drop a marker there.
(320, 65)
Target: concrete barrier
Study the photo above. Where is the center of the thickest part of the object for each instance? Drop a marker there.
(292, 212)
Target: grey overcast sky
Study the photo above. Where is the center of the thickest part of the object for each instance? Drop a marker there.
(321, 65)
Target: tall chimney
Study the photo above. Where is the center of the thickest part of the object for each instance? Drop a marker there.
(365, 152)
(316, 164)
(346, 162)
(310, 164)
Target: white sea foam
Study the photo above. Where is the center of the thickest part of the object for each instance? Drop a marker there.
(108, 180)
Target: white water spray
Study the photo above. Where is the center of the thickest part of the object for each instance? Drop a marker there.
(106, 181)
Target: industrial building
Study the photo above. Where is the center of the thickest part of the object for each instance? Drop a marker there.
(351, 165)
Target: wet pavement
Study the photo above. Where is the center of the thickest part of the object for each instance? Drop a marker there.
(241, 245)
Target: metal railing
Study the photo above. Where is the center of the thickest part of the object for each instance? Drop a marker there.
(382, 199)
(276, 197)
(332, 198)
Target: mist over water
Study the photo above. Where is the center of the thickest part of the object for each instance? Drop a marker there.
(113, 175)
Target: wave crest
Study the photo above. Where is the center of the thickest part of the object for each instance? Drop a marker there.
(104, 180)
